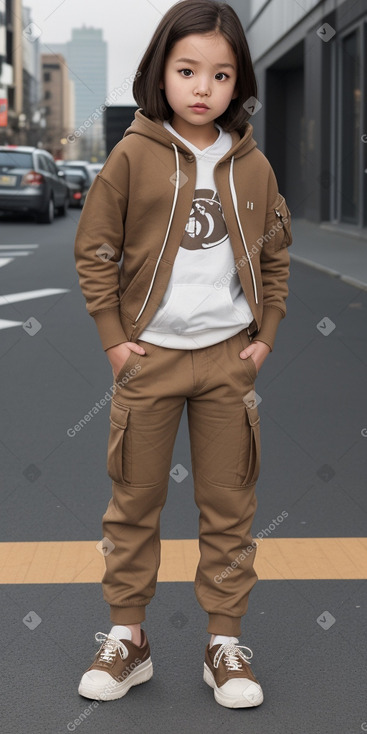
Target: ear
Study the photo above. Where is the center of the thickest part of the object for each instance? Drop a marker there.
(161, 85)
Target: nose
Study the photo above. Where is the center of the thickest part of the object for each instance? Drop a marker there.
(202, 86)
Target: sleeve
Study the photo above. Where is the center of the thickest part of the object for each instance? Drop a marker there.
(274, 262)
(99, 246)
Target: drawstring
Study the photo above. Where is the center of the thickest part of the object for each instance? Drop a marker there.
(177, 186)
(235, 204)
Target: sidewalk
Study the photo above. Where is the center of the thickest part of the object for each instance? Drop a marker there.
(335, 252)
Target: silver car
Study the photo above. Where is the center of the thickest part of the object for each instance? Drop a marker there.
(30, 182)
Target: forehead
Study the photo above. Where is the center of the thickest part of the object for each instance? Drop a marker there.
(204, 48)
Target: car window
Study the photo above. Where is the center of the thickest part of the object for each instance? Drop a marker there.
(74, 172)
(14, 159)
(42, 162)
(51, 166)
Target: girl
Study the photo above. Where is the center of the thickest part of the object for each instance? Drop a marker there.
(190, 315)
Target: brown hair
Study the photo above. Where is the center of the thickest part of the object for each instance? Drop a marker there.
(183, 19)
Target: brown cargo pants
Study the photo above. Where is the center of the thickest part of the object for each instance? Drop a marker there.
(150, 394)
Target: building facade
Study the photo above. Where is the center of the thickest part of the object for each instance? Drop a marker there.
(311, 66)
(86, 58)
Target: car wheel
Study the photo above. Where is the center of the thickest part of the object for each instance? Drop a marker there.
(62, 210)
(47, 216)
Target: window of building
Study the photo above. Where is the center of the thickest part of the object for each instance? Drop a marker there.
(46, 76)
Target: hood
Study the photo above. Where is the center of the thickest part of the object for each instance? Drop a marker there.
(154, 129)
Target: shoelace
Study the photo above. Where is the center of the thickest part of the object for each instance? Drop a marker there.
(109, 646)
(233, 655)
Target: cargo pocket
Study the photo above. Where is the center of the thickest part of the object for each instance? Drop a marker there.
(117, 464)
(253, 418)
(279, 224)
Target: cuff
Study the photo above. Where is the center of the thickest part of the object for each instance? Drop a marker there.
(109, 327)
(269, 325)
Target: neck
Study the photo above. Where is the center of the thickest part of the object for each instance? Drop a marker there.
(201, 136)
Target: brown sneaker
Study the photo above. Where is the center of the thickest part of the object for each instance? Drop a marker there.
(118, 665)
(227, 670)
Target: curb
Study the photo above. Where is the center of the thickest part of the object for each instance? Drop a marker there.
(334, 273)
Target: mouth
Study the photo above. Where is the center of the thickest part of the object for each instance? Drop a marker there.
(200, 106)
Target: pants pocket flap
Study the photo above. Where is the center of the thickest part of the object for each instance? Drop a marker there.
(119, 415)
(253, 415)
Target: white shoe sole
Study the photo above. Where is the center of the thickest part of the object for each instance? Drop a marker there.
(113, 689)
(231, 702)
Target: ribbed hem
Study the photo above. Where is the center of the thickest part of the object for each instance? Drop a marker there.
(270, 321)
(221, 624)
(109, 327)
(127, 615)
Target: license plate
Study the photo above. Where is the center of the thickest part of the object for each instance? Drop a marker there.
(7, 180)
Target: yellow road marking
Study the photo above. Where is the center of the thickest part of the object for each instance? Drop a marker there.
(78, 562)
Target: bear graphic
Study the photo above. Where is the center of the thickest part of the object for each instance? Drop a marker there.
(206, 226)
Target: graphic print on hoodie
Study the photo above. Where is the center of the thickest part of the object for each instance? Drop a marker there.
(198, 308)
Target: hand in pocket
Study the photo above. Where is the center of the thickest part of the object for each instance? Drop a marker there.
(120, 353)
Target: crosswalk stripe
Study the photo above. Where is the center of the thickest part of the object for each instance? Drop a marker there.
(65, 562)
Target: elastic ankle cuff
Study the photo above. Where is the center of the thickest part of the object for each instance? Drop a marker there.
(127, 615)
(221, 624)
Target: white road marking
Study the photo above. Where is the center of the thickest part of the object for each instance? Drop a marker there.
(15, 254)
(6, 247)
(30, 295)
(5, 261)
(7, 324)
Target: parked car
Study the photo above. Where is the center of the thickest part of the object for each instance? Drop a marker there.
(31, 182)
(78, 186)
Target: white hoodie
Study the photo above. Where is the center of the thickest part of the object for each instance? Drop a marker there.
(198, 308)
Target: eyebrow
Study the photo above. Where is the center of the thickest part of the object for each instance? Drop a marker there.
(192, 61)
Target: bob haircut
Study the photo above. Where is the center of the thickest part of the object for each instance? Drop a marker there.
(183, 19)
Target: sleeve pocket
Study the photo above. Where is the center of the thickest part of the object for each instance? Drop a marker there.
(279, 224)
(116, 461)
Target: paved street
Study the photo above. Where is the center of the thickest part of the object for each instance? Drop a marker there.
(306, 622)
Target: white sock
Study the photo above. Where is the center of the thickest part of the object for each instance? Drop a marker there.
(222, 639)
(121, 632)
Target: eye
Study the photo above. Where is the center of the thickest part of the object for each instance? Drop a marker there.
(221, 73)
(182, 71)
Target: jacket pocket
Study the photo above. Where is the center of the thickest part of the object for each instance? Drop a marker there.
(254, 448)
(279, 224)
(118, 467)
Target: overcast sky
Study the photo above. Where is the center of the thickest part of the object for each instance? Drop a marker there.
(127, 27)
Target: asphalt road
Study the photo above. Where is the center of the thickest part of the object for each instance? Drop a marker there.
(54, 487)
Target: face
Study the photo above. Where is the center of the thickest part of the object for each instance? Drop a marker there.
(200, 70)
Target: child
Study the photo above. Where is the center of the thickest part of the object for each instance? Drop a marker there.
(191, 314)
